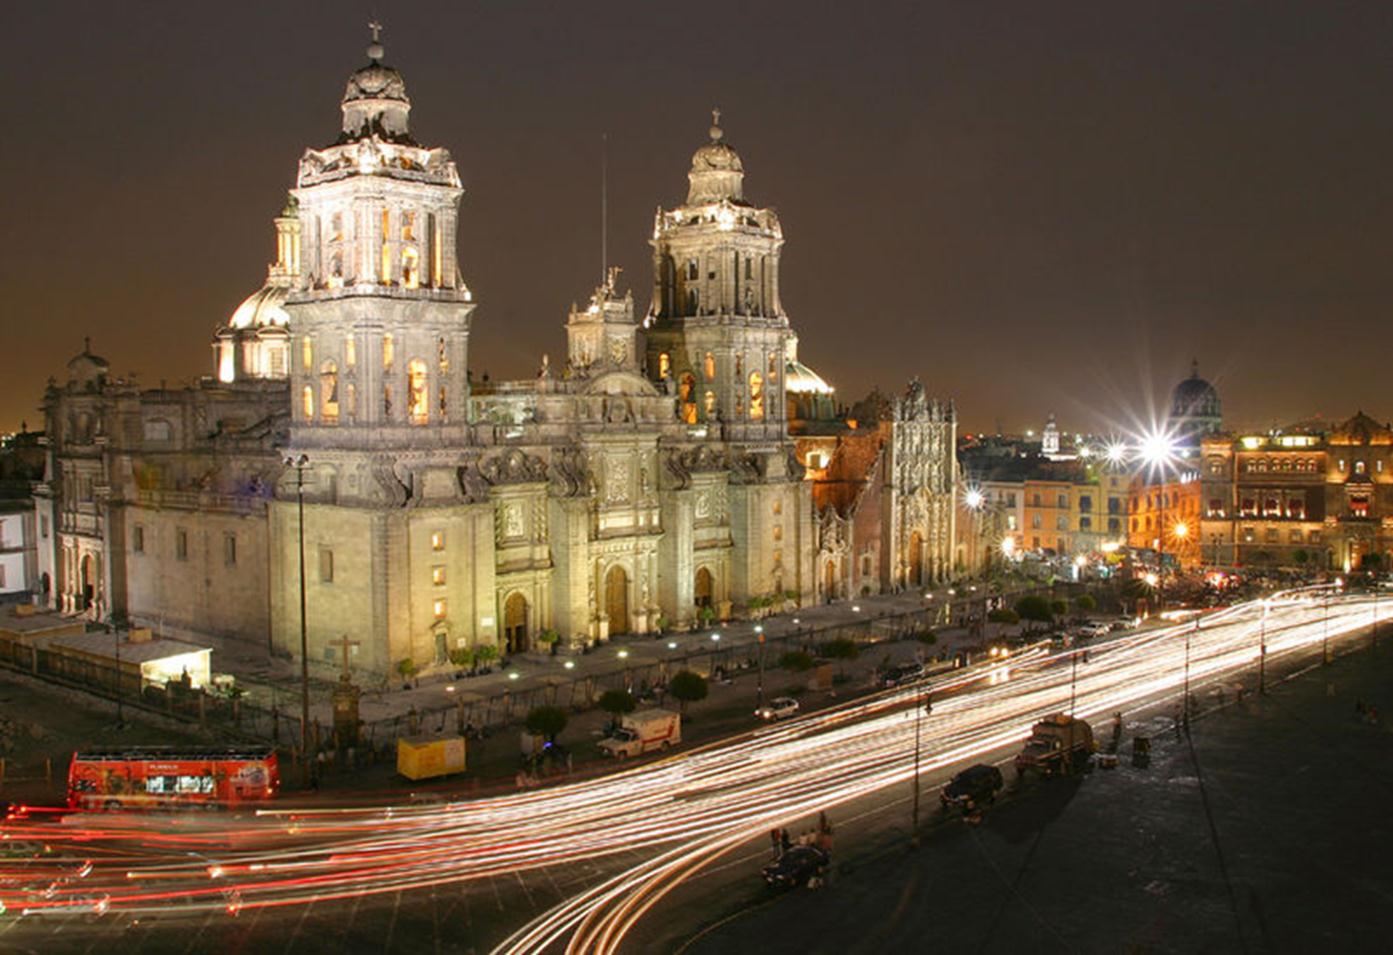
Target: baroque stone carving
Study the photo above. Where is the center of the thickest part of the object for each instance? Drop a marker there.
(513, 467)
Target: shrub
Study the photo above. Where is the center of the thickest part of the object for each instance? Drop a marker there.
(1059, 608)
(1003, 615)
(842, 648)
(462, 656)
(406, 668)
(1034, 608)
(798, 661)
(546, 721)
(485, 653)
(1084, 603)
(548, 637)
(926, 637)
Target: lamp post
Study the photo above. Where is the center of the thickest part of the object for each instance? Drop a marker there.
(920, 710)
(974, 499)
(759, 687)
(299, 463)
(1262, 650)
(1157, 450)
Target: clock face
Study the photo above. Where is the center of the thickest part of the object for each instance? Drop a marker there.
(618, 351)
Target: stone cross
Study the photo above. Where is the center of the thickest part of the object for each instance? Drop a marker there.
(376, 29)
(345, 643)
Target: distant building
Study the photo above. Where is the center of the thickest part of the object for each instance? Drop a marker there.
(1314, 498)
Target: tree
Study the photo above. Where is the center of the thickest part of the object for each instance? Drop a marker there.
(1035, 608)
(547, 722)
(1301, 556)
(1059, 608)
(485, 654)
(688, 687)
(617, 702)
(842, 648)
(1084, 603)
(798, 661)
(926, 637)
(1003, 615)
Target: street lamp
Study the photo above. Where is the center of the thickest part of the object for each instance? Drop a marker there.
(1158, 450)
(299, 463)
(974, 500)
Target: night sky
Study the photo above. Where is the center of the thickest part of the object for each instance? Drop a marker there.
(1032, 206)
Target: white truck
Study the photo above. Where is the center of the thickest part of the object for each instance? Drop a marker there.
(643, 732)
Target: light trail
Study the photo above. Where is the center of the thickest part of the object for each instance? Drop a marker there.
(683, 811)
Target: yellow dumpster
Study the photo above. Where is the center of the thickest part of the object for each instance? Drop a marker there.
(423, 757)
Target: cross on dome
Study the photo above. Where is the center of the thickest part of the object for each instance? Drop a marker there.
(716, 131)
(375, 51)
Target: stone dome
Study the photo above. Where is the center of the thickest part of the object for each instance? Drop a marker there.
(265, 306)
(86, 367)
(717, 172)
(1195, 398)
(801, 380)
(375, 101)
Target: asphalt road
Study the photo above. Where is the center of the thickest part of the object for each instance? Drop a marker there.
(464, 916)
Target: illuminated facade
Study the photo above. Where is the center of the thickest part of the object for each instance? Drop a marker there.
(649, 476)
(1307, 498)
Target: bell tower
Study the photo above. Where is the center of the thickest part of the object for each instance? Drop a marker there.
(378, 312)
(716, 325)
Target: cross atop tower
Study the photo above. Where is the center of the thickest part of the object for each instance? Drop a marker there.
(716, 131)
(375, 51)
(376, 29)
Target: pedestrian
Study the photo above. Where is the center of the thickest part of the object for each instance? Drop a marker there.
(774, 846)
(784, 842)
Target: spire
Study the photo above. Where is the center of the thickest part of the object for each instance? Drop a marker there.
(716, 131)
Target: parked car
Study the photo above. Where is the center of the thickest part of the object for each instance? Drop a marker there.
(795, 867)
(779, 708)
(1094, 629)
(902, 673)
(972, 788)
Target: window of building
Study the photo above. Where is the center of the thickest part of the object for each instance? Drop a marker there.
(307, 353)
(693, 270)
(664, 364)
(1249, 535)
(229, 550)
(410, 267)
(389, 351)
(1061, 523)
(1085, 523)
(1085, 502)
(709, 404)
(437, 575)
(1035, 543)
(408, 227)
(1340, 465)
(1295, 537)
(1114, 505)
(329, 391)
(439, 608)
(1034, 500)
(1035, 521)
(756, 396)
(1272, 535)
(307, 402)
(437, 540)
(686, 391)
(1359, 467)
(1249, 507)
(1296, 509)
(137, 539)
(1011, 522)
(418, 405)
(326, 565)
(1378, 466)
(181, 544)
(1359, 505)
(866, 565)
(1010, 498)
(1061, 501)
(1314, 537)
(1216, 507)
(387, 402)
(749, 266)
(350, 351)
(351, 399)
(773, 366)
(739, 364)
(1114, 525)
(1270, 508)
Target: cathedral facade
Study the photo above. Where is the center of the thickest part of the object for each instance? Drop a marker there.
(342, 440)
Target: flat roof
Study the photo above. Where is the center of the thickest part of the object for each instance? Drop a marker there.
(36, 622)
(104, 645)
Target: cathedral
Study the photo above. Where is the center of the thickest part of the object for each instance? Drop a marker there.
(342, 456)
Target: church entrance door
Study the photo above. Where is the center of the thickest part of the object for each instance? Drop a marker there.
(916, 558)
(829, 584)
(702, 591)
(515, 623)
(617, 600)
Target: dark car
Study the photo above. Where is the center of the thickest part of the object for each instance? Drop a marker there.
(972, 788)
(795, 867)
(901, 674)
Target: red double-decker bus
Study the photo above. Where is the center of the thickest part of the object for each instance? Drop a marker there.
(170, 777)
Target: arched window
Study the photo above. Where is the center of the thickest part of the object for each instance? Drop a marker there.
(351, 400)
(691, 301)
(410, 267)
(329, 391)
(418, 404)
(664, 364)
(686, 391)
(773, 366)
(307, 402)
(756, 396)
(708, 367)
(307, 352)
(710, 405)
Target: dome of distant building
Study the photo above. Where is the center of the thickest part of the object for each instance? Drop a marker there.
(1195, 407)
(86, 367)
(799, 379)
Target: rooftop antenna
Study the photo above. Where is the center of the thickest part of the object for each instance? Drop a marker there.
(604, 208)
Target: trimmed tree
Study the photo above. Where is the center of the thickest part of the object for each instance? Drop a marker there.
(1059, 608)
(841, 649)
(1084, 603)
(688, 687)
(1035, 609)
(547, 722)
(797, 661)
(1003, 615)
(485, 654)
(617, 702)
